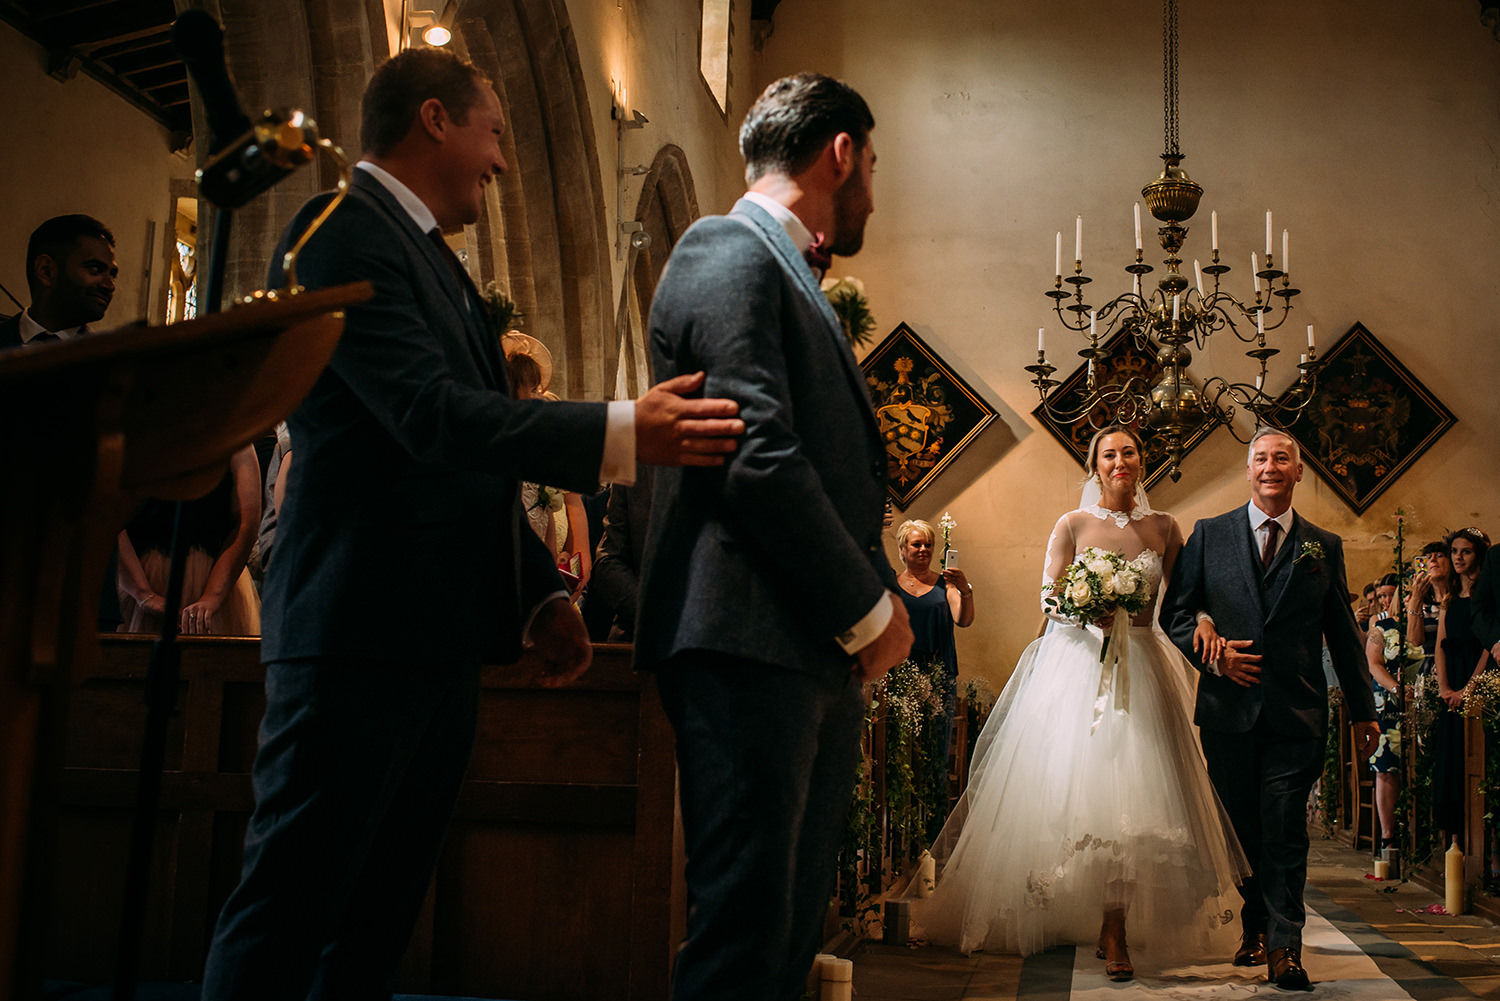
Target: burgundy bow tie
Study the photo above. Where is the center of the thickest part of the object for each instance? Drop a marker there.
(818, 257)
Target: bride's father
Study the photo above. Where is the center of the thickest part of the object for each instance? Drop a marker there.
(1256, 594)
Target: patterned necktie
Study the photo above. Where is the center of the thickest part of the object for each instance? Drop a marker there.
(449, 257)
(1269, 550)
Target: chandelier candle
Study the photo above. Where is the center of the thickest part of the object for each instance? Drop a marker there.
(1179, 315)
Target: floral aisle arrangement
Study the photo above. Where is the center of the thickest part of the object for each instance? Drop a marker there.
(852, 307)
(1331, 785)
(901, 793)
(1482, 702)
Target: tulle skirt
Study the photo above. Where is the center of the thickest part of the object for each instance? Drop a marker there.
(1062, 820)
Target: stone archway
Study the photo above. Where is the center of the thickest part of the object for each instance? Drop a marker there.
(666, 208)
(544, 230)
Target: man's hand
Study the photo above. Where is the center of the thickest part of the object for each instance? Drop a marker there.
(673, 431)
(1366, 739)
(559, 636)
(889, 648)
(1241, 668)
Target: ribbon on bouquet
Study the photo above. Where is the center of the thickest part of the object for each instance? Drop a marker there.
(1114, 670)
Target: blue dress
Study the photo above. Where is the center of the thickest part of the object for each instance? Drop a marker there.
(932, 632)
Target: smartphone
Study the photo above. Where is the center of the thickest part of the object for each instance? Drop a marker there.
(950, 559)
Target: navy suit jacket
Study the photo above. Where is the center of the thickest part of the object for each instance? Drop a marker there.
(401, 536)
(1301, 602)
(775, 554)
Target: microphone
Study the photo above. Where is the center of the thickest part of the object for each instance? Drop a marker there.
(199, 40)
(247, 159)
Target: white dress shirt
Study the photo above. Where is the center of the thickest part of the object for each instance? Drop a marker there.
(30, 330)
(1259, 525)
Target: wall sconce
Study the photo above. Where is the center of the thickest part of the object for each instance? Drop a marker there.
(635, 235)
(437, 35)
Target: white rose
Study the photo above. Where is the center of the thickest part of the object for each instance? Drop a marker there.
(1125, 582)
(1107, 584)
(1098, 565)
(1080, 592)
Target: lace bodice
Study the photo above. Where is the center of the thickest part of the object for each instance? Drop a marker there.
(1133, 534)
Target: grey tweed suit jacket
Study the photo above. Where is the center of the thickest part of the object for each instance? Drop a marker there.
(1288, 613)
(772, 556)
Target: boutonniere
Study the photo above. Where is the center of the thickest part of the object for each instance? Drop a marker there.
(1310, 551)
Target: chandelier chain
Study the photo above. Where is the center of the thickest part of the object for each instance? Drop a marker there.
(1169, 75)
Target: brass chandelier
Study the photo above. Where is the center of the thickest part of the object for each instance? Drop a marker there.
(1176, 314)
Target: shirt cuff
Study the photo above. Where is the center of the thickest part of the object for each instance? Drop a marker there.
(864, 632)
(1205, 617)
(618, 464)
(531, 616)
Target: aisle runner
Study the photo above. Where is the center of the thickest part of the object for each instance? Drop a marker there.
(1339, 969)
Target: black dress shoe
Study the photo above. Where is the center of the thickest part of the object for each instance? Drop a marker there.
(1284, 969)
(1252, 950)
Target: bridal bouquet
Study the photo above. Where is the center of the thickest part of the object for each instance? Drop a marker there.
(1097, 583)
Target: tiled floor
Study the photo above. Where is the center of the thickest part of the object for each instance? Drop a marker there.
(1426, 957)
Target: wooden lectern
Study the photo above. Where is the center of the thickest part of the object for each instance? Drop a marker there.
(88, 428)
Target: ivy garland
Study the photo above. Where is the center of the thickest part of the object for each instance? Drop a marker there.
(1331, 788)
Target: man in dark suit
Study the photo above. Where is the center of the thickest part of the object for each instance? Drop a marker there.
(1255, 595)
(402, 560)
(70, 273)
(766, 594)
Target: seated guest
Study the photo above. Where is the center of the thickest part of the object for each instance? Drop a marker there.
(617, 563)
(1460, 658)
(70, 273)
(218, 529)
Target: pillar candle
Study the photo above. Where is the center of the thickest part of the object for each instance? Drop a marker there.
(1214, 216)
(815, 975)
(1041, 340)
(1286, 255)
(1310, 337)
(838, 980)
(1059, 253)
(1254, 270)
(1268, 232)
(1382, 869)
(1453, 879)
(1093, 315)
(1078, 240)
(1198, 273)
(1137, 225)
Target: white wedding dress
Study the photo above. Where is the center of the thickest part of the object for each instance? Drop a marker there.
(1080, 801)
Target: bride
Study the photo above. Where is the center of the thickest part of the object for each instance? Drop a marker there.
(1088, 802)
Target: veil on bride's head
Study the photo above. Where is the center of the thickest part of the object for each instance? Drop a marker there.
(1093, 490)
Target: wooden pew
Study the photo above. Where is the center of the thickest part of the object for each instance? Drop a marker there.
(561, 877)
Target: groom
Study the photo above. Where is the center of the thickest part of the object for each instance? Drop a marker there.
(1257, 592)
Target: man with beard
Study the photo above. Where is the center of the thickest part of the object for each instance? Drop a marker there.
(70, 270)
(765, 593)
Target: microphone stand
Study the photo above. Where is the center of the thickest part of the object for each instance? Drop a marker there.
(162, 677)
(203, 38)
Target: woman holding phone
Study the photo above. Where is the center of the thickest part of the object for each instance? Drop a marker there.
(936, 600)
